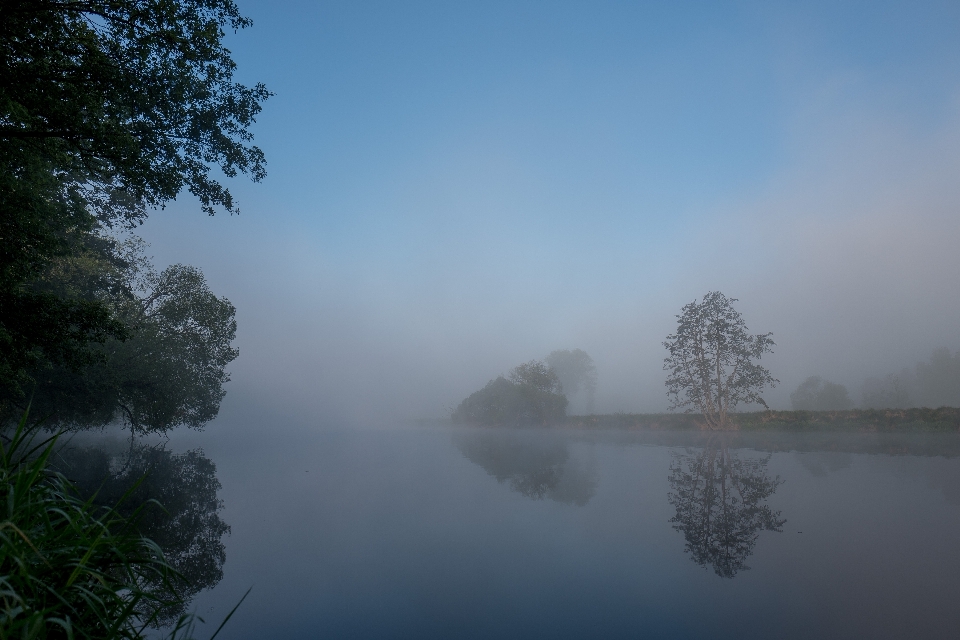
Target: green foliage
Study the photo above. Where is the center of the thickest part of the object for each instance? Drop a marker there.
(576, 372)
(531, 396)
(169, 371)
(68, 567)
(107, 108)
(711, 361)
(817, 394)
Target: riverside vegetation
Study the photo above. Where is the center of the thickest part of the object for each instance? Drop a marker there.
(713, 366)
(108, 110)
(74, 567)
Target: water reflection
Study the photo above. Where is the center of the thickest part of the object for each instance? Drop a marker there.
(533, 464)
(721, 506)
(188, 528)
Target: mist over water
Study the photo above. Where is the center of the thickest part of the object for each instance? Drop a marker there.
(458, 191)
(408, 532)
(396, 293)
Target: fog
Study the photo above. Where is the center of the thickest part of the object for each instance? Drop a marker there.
(579, 200)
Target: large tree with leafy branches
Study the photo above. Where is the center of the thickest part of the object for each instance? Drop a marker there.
(108, 109)
(168, 371)
(712, 361)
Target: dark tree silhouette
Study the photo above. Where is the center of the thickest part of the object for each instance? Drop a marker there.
(532, 396)
(712, 360)
(721, 510)
(108, 109)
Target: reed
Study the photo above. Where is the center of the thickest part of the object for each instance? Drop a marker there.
(70, 568)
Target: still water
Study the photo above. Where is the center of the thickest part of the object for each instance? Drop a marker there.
(406, 532)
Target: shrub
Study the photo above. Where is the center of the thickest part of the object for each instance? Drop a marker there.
(531, 397)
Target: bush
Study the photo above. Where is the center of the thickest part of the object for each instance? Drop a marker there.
(817, 394)
(531, 397)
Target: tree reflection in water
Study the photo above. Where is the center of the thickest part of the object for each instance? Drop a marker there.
(720, 501)
(533, 464)
(188, 528)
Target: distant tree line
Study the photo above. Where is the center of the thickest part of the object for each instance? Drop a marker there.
(932, 383)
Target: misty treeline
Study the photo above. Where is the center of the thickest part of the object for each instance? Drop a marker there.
(533, 393)
(930, 383)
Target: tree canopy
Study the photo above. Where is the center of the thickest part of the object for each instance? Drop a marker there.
(108, 108)
(712, 360)
(532, 396)
(170, 368)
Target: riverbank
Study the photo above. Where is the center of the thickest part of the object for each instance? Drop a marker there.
(924, 420)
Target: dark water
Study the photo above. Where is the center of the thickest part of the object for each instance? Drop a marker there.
(434, 533)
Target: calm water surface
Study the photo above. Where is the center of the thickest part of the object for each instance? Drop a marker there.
(408, 532)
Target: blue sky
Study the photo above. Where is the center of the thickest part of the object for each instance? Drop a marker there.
(458, 187)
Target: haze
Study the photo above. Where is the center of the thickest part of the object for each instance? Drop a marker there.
(454, 190)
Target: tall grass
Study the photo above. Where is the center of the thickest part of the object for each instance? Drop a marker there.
(68, 567)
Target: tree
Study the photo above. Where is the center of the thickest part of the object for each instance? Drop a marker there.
(576, 372)
(531, 396)
(108, 108)
(938, 381)
(817, 394)
(711, 361)
(891, 392)
(170, 369)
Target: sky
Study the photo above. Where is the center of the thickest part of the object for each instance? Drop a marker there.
(455, 188)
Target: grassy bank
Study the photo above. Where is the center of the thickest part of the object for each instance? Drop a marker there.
(941, 420)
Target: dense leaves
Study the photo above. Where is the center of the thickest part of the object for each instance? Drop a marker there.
(107, 109)
(169, 371)
(532, 396)
(711, 361)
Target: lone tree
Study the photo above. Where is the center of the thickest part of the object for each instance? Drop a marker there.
(721, 504)
(712, 360)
